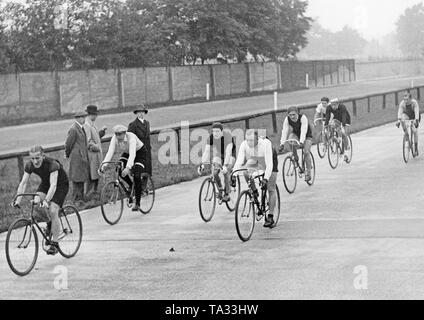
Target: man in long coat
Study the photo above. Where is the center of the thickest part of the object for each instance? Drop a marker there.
(76, 149)
(141, 128)
(95, 153)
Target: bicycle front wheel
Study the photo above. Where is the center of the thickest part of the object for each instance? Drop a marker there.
(207, 200)
(321, 146)
(21, 247)
(313, 171)
(289, 175)
(112, 202)
(333, 153)
(234, 194)
(148, 199)
(349, 150)
(406, 149)
(71, 231)
(245, 216)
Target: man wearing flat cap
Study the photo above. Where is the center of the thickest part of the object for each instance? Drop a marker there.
(76, 149)
(141, 128)
(95, 154)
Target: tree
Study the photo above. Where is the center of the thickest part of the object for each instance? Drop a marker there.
(410, 31)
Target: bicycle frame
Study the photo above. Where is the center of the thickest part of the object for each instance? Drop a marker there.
(296, 145)
(118, 179)
(252, 188)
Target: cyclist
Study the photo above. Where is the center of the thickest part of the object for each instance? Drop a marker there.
(321, 109)
(340, 117)
(51, 192)
(257, 153)
(133, 155)
(409, 110)
(223, 152)
(296, 126)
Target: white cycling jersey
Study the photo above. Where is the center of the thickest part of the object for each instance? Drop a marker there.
(321, 108)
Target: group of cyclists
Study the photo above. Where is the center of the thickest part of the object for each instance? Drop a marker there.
(256, 152)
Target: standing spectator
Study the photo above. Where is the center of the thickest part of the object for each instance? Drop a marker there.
(95, 154)
(141, 128)
(76, 149)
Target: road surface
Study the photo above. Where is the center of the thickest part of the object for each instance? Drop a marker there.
(364, 217)
(54, 132)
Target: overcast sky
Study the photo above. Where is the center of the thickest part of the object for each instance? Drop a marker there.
(373, 18)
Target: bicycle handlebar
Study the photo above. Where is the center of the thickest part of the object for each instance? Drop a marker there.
(318, 119)
(214, 164)
(293, 141)
(246, 169)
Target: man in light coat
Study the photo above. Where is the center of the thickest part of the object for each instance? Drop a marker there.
(76, 149)
(95, 153)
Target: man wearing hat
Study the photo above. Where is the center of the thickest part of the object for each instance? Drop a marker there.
(76, 149)
(141, 128)
(95, 154)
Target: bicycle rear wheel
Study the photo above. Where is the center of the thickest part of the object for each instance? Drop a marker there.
(148, 200)
(21, 247)
(321, 146)
(313, 171)
(289, 175)
(406, 149)
(71, 231)
(245, 216)
(112, 202)
(234, 194)
(333, 153)
(207, 200)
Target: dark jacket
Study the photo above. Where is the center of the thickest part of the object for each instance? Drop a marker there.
(142, 131)
(76, 149)
(341, 114)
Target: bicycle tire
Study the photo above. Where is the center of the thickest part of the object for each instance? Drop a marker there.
(104, 197)
(321, 147)
(333, 149)
(244, 199)
(32, 235)
(313, 171)
(350, 151)
(406, 149)
(211, 186)
(65, 216)
(278, 209)
(151, 195)
(289, 166)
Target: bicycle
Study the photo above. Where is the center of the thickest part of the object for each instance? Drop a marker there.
(335, 145)
(22, 238)
(208, 194)
(114, 192)
(257, 205)
(322, 145)
(292, 169)
(408, 146)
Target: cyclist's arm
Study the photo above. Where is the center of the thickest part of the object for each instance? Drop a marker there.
(304, 129)
(53, 185)
(132, 144)
(111, 150)
(417, 110)
(241, 157)
(206, 153)
(22, 186)
(401, 110)
(269, 163)
(228, 154)
(285, 131)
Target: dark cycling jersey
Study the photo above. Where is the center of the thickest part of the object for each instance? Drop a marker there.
(48, 166)
(341, 114)
(297, 126)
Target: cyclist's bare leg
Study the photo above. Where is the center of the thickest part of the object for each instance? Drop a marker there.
(217, 178)
(308, 160)
(54, 217)
(227, 175)
(403, 122)
(288, 146)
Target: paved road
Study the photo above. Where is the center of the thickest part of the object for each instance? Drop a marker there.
(364, 214)
(49, 133)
